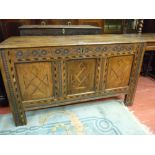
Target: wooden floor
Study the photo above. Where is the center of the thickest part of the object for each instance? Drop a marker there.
(144, 103)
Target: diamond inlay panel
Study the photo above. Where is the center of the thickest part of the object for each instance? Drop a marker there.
(81, 76)
(119, 69)
(35, 80)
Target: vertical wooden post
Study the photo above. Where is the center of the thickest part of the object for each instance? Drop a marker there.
(140, 25)
(14, 100)
(129, 98)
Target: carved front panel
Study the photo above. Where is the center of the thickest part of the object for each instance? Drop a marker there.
(119, 69)
(35, 80)
(81, 76)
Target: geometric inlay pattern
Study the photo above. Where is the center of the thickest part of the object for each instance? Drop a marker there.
(119, 69)
(81, 74)
(35, 80)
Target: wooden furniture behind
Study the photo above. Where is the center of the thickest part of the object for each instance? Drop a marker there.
(41, 72)
(93, 22)
(39, 30)
(148, 67)
(9, 27)
(113, 26)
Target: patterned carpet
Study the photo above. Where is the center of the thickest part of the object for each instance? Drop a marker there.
(91, 118)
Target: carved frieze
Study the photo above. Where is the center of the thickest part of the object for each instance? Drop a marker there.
(73, 52)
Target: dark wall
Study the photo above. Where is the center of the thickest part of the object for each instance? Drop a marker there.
(149, 26)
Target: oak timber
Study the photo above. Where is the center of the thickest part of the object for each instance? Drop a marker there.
(41, 72)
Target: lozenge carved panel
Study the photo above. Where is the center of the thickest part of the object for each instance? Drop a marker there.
(81, 76)
(119, 69)
(35, 80)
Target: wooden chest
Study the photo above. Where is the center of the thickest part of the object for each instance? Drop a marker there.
(39, 30)
(41, 72)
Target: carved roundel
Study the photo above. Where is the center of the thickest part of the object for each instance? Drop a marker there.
(43, 52)
(66, 51)
(104, 49)
(34, 52)
(118, 48)
(98, 49)
(19, 54)
(62, 51)
(57, 51)
(39, 52)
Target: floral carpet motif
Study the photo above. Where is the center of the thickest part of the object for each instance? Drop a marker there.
(91, 118)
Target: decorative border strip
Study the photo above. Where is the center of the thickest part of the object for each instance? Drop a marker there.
(18, 111)
(56, 84)
(98, 74)
(52, 101)
(64, 79)
(17, 91)
(72, 100)
(72, 52)
(105, 73)
(73, 57)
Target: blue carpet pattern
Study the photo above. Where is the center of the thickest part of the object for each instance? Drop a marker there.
(91, 118)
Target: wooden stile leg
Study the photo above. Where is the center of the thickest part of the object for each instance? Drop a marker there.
(129, 98)
(14, 100)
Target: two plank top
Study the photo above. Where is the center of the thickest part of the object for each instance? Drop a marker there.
(45, 41)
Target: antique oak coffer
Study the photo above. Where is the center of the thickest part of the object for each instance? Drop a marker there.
(47, 71)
